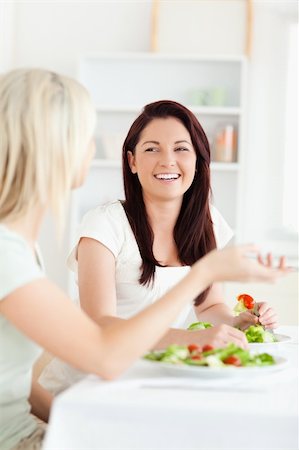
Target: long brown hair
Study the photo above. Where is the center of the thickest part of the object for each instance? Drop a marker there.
(193, 231)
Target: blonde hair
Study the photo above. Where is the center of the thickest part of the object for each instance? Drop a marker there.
(46, 124)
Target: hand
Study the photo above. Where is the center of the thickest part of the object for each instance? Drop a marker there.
(268, 317)
(236, 264)
(245, 320)
(218, 336)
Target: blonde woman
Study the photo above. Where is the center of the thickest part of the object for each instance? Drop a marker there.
(46, 144)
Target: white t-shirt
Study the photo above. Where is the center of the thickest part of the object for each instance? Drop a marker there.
(17, 352)
(109, 225)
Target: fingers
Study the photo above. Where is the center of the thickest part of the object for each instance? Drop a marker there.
(269, 260)
(224, 334)
(263, 307)
(268, 317)
(236, 336)
(271, 322)
(282, 263)
(260, 259)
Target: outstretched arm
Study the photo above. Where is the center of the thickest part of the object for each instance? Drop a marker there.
(43, 313)
(46, 315)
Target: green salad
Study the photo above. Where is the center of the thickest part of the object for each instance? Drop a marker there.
(257, 333)
(192, 354)
(199, 326)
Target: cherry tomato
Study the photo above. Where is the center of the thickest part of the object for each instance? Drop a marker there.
(196, 357)
(193, 348)
(207, 348)
(232, 360)
(247, 300)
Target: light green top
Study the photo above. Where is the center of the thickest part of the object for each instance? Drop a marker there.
(18, 266)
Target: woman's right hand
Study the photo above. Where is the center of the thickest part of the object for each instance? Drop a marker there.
(218, 336)
(240, 263)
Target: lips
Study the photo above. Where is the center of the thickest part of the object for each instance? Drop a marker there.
(167, 176)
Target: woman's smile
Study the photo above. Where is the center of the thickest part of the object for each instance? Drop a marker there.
(167, 177)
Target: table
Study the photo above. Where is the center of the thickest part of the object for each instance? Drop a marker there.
(144, 410)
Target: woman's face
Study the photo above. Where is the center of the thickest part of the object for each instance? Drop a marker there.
(164, 159)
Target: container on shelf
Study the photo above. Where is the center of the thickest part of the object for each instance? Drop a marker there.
(215, 96)
(225, 145)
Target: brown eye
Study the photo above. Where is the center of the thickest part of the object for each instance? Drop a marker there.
(151, 149)
(181, 149)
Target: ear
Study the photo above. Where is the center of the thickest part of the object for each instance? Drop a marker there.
(131, 161)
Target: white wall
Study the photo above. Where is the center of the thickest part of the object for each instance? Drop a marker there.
(55, 34)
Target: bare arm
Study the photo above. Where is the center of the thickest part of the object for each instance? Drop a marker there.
(45, 314)
(214, 309)
(42, 312)
(96, 279)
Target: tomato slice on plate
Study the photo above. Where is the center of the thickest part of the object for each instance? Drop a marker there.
(232, 360)
(193, 348)
(207, 348)
(196, 357)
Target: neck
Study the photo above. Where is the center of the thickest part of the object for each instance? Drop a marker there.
(28, 226)
(163, 214)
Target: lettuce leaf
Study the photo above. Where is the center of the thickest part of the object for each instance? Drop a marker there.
(199, 326)
(257, 333)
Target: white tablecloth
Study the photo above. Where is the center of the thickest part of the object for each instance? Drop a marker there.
(145, 410)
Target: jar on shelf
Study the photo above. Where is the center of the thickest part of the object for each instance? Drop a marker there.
(225, 144)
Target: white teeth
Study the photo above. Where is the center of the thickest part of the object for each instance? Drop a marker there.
(167, 176)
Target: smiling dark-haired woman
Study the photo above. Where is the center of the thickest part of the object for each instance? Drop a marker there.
(131, 252)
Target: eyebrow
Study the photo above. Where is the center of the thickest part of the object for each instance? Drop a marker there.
(157, 143)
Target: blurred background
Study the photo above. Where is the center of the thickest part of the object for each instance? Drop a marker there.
(233, 62)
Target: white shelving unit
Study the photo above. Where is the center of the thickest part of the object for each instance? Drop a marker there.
(121, 84)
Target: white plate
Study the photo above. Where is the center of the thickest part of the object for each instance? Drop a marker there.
(280, 339)
(215, 372)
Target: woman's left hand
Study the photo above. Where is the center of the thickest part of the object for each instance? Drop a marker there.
(267, 316)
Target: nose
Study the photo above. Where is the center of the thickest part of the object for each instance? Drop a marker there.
(167, 159)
